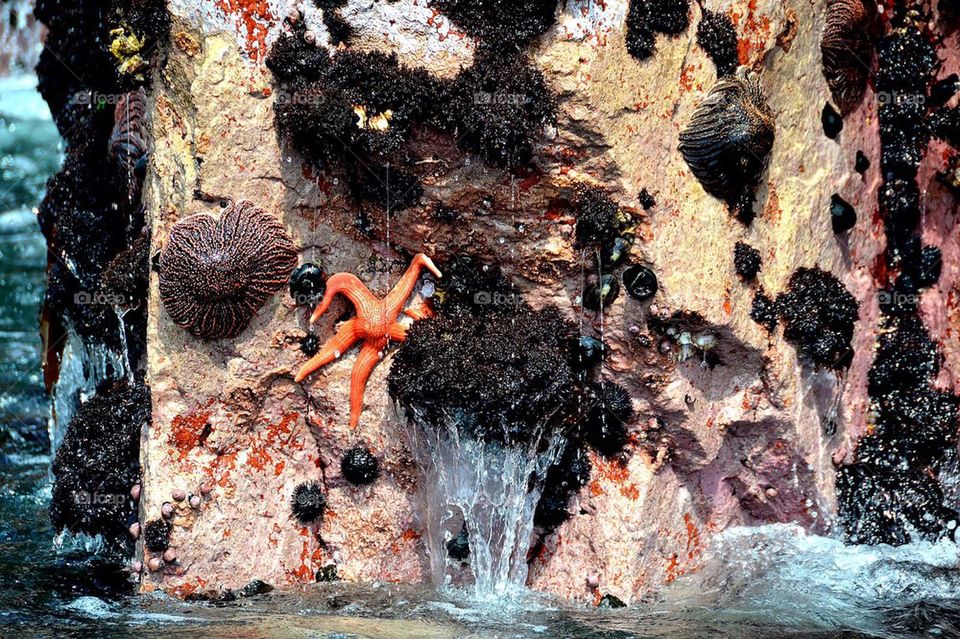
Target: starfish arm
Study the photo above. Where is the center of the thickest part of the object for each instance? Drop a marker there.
(335, 346)
(348, 285)
(368, 358)
(401, 292)
(419, 312)
(398, 332)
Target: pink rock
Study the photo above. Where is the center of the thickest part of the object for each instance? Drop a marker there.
(593, 581)
(195, 501)
(135, 530)
(169, 555)
(206, 488)
(136, 567)
(155, 564)
(167, 510)
(178, 495)
(135, 492)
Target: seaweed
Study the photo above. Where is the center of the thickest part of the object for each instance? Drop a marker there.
(98, 463)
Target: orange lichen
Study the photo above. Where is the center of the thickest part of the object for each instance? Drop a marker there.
(188, 431)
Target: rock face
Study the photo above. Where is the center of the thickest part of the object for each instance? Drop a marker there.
(729, 426)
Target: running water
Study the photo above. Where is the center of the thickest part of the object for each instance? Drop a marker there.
(490, 490)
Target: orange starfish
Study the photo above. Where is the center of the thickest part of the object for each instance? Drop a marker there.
(376, 325)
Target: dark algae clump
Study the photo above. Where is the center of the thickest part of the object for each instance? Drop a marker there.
(717, 36)
(746, 261)
(499, 22)
(99, 461)
(764, 311)
(610, 409)
(500, 376)
(818, 314)
(598, 217)
(564, 479)
(156, 535)
(891, 493)
(648, 17)
(641, 41)
(498, 108)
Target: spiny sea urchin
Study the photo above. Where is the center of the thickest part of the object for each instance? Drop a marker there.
(308, 503)
(215, 274)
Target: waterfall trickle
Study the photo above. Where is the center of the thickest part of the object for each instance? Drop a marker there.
(489, 489)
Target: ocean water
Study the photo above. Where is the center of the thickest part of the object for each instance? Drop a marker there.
(774, 582)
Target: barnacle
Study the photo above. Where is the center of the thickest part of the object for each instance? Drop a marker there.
(215, 274)
(847, 47)
(728, 140)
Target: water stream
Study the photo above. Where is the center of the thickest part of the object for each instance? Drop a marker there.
(489, 490)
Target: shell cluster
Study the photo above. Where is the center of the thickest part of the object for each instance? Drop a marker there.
(215, 274)
(728, 141)
(128, 145)
(846, 46)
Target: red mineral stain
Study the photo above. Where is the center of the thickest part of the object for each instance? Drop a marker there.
(686, 79)
(253, 19)
(754, 31)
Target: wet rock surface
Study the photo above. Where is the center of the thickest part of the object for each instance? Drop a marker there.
(729, 422)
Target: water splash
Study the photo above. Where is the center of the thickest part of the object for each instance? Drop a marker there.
(492, 490)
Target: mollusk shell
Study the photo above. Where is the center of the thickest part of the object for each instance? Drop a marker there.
(728, 140)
